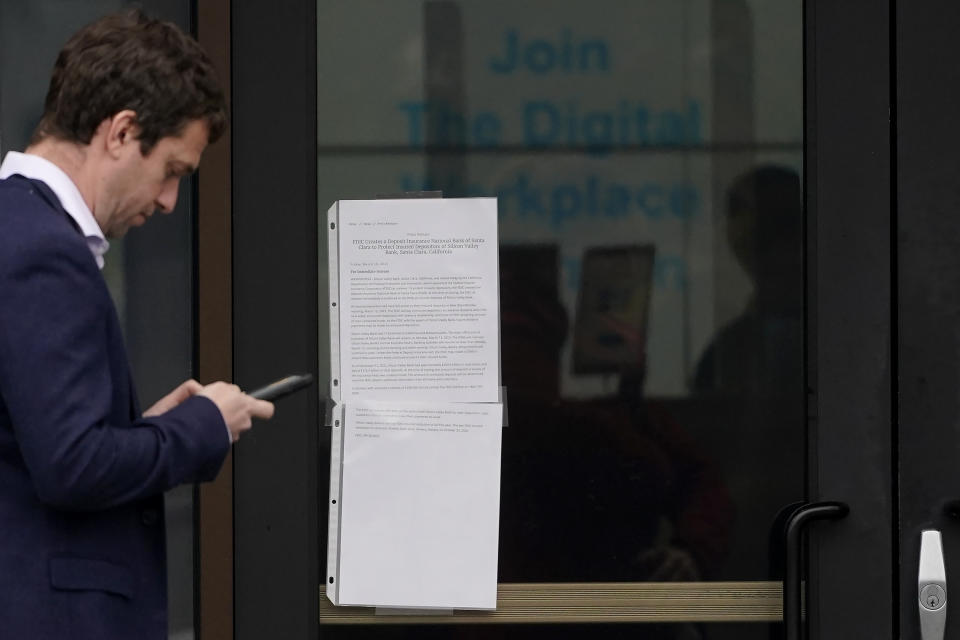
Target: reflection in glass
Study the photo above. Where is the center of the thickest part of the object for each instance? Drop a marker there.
(757, 351)
(646, 159)
(604, 489)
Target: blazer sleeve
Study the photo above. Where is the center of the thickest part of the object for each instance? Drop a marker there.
(59, 388)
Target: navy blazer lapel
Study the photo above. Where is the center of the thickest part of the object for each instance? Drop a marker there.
(47, 194)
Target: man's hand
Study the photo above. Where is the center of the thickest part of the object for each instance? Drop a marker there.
(174, 398)
(237, 408)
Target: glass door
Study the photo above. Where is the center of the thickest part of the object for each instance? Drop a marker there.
(695, 224)
(648, 163)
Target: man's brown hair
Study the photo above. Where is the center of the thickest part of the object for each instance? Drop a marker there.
(130, 61)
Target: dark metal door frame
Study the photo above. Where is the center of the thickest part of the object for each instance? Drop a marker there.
(928, 285)
(277, 560)
(849, 209)
(850, 312)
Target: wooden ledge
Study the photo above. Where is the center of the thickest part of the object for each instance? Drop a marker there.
(553, 603)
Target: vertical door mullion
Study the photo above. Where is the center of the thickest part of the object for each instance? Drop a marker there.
(928, 273)
(849, 314)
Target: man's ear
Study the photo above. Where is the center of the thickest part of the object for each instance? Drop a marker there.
(121, 130)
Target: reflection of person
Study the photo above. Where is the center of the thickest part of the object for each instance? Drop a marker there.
(760, 350)
(131, 106)
(593, 490)
(752, 368)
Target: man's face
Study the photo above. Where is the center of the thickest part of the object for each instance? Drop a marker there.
(141, 184)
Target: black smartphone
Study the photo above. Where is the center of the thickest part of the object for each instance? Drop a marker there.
(282, 387)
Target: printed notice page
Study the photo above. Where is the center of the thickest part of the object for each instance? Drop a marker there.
(419, 300)
(415, 352)
(419, 505)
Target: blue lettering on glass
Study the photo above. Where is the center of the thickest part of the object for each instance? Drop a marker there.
(566, 123)
(684, 201)
(566, 54)
(598, 129)
(564, 203)
(650, 199)
(547, 123)
(528, 198)
(448, 128)
(541, 123)
(561, 204)
(439, 124)
(415, 116)
(540, 57)
(486, 130)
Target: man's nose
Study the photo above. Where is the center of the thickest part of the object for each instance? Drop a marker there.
(167, 198)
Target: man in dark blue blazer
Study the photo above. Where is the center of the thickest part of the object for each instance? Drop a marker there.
(132, 104)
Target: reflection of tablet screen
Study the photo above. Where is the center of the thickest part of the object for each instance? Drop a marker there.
(610, 330)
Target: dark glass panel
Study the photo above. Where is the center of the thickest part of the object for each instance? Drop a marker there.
(646, 157)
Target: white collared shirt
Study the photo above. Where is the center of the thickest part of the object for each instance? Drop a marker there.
(37, 168)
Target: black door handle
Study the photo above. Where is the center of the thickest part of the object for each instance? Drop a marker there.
(797, 522)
